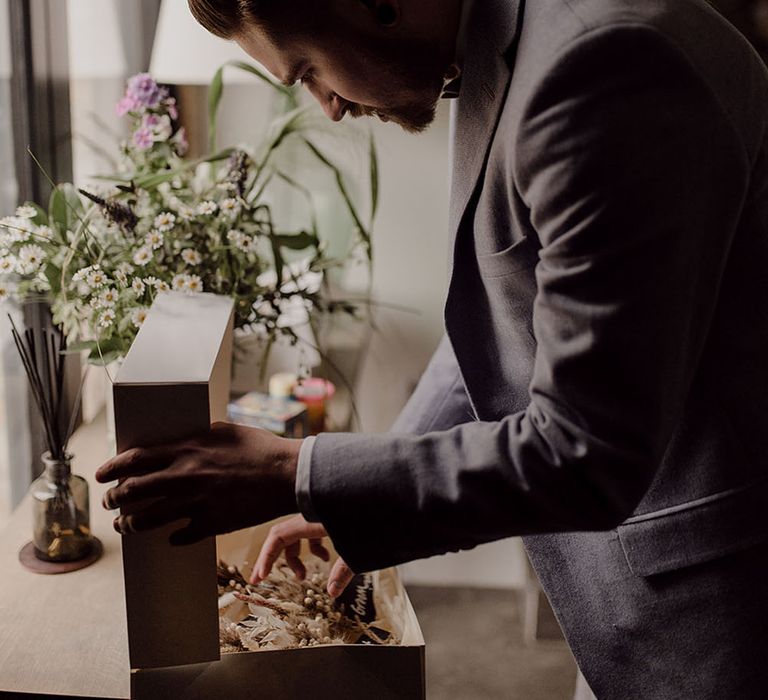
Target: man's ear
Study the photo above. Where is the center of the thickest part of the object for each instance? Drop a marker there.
(385, 12)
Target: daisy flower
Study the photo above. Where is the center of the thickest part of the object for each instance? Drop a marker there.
(162, 286)
(138, 317)
(194, 284)
(142, 256)
(96, 278)
(207, 208)
(108, 297)
(5, 292)
(191, 257)
(31, 256)
(165, 222)
(155, 239)
(179, 283)
(26, 212)
(138, 286)
(45, 232)
(8, 264)
(230, 207)
(121, 278)
(107, 318)
(126, 267)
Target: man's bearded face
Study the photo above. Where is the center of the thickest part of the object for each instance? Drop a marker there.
(353, 71)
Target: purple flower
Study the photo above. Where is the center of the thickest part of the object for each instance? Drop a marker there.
(173, 111)
(127, 104)
(143, 138)
(144, 90)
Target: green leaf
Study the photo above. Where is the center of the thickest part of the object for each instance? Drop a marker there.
(299, 241)
(215, 93)
(374, 166)
(80, 346)
(363, 232)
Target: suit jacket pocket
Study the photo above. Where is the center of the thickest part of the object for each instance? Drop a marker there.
(697, 531)
(521, 255)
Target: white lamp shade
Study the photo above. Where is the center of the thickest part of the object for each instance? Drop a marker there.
(186, 54)
(5, 42)
(96, 48)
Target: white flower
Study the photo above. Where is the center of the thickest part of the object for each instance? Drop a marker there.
(155, 239)
(240, 240)
(165, 221)
(142, 256)
(162, 286)
(207, 208)
(121, 278)
(126, 267)
(179, 282)
(17, 229)
(107, 318)
(45, 232)
(138, 317)
(185, 213)
(8, 264)
(96, 278)
(108, 297)
(31, 257)
(230, 207)
(6, 292)
(82, 273)
(138, 286)
(26, 212)
(191, 257)
(194, 284)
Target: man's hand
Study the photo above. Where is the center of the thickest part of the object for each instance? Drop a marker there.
(286, 537)
(230, 478)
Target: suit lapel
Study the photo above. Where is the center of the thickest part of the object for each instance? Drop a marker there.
(493, 30)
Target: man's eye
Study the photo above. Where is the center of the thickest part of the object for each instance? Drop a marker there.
(308, 77)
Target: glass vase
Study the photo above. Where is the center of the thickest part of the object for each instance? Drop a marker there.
(61, 513)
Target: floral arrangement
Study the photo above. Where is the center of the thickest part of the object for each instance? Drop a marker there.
(165, 222)
(283, 612)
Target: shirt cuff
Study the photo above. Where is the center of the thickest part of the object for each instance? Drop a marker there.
(303, 470)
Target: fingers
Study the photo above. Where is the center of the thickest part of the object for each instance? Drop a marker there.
(340, 578)
(152, 517)
(134, 462)
(135, 489)
(294, 562)
(318, 549)
(280, 538)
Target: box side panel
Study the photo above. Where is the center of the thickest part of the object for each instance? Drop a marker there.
(324, 673)
(170, 591)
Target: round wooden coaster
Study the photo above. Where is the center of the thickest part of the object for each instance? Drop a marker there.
(30, 562)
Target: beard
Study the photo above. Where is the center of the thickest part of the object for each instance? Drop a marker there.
(414, 117)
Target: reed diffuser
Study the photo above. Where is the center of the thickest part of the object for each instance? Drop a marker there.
(61, 517)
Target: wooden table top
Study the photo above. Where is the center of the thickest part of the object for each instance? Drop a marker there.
(65, 634)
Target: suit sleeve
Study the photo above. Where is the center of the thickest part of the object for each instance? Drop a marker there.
(440, 400)
(635, 178)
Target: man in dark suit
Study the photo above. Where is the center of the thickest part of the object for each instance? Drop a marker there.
(607, 327)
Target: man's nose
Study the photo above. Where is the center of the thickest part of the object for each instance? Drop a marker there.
(333, 105)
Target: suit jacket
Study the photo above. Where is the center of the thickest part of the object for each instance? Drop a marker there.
(607, 330)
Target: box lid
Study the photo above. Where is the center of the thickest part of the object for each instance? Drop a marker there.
(173, 383)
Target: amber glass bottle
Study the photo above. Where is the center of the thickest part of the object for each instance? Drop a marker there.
(61, 513)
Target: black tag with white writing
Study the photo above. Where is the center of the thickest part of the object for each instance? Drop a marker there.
(357, 599)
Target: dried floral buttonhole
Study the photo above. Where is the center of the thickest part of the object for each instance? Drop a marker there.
(282, 612)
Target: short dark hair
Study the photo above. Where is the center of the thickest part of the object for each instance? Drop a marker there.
(226, 18)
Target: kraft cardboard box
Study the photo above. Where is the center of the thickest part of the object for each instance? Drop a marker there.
(173, 384)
